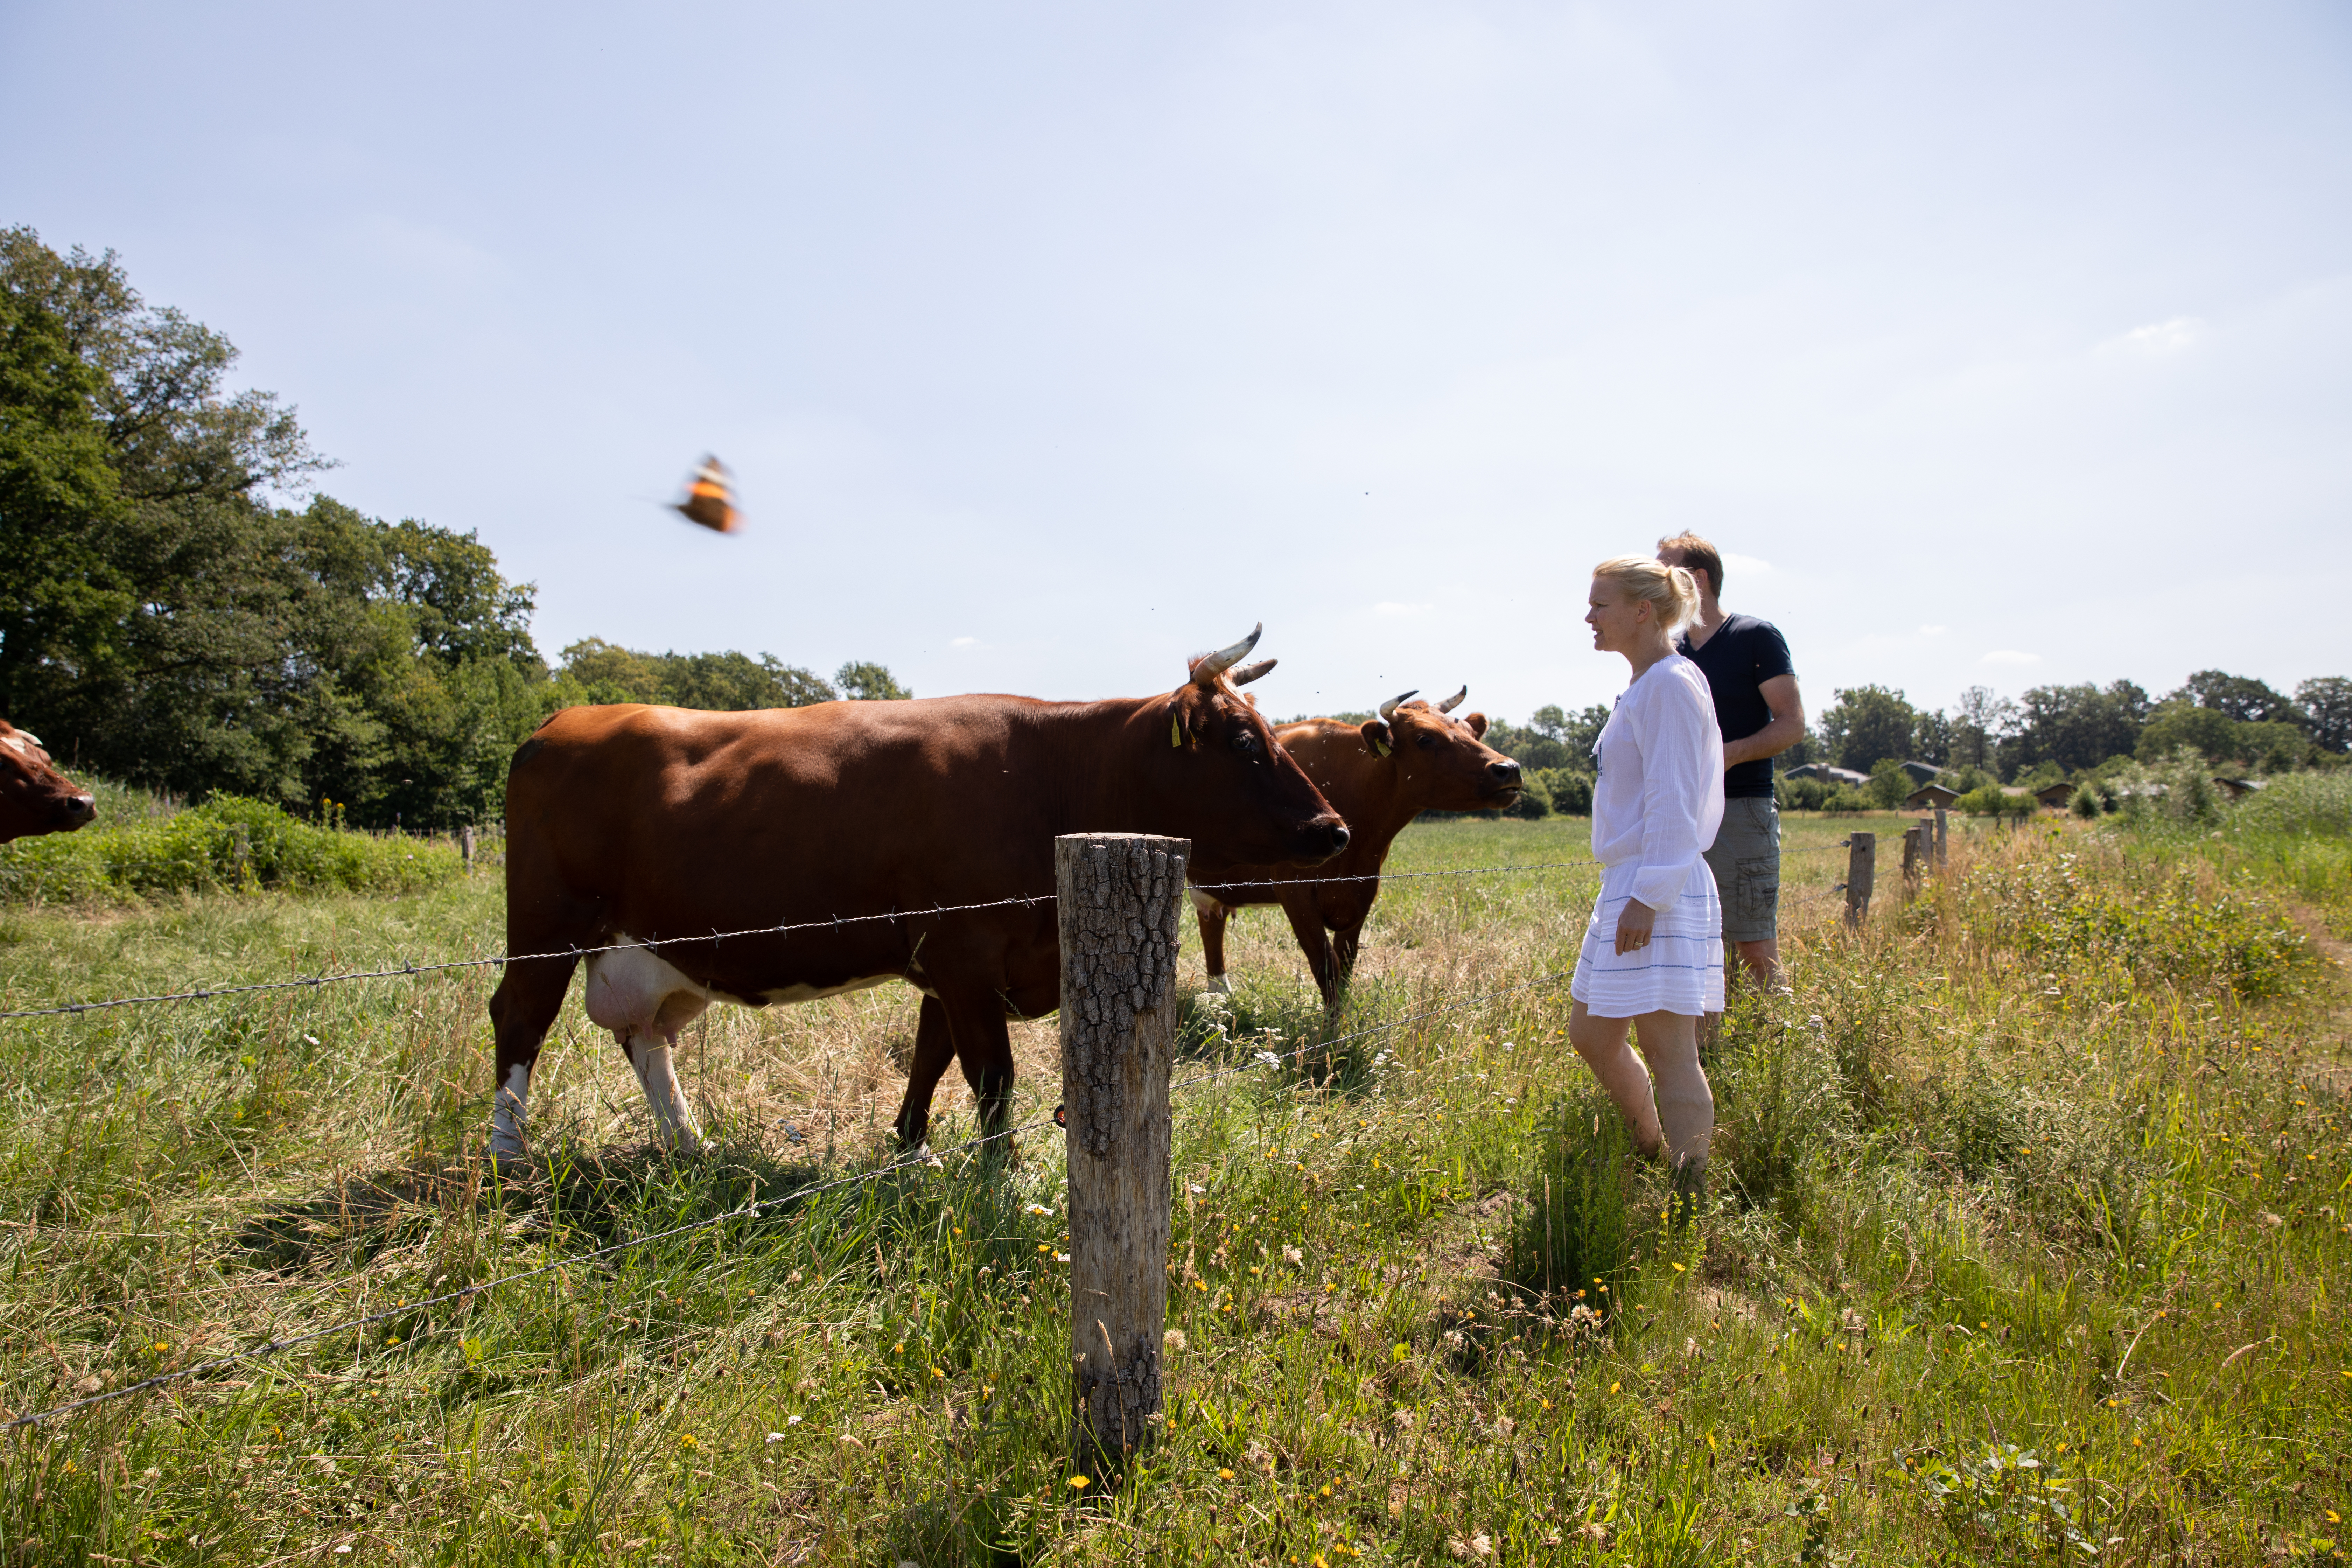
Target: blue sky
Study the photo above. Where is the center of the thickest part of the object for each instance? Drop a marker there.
(1999, 344)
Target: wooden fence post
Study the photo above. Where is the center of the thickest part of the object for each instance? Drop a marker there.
(1943, 837)
(1861, 869)
(1119, 897)
(465, 848)
(1915, 856)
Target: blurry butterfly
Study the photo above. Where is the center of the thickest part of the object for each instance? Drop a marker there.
(710, 498)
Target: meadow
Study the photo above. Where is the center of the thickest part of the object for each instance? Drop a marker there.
(2026, 1242)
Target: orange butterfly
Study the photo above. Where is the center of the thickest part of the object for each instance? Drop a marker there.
(710, 498)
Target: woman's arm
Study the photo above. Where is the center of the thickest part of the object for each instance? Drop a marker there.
(1679, 746)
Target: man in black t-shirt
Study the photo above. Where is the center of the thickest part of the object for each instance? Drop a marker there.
(1757, 705)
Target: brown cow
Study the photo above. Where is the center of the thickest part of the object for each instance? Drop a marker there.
(34, 799)
(630, 824)
(1380, 775)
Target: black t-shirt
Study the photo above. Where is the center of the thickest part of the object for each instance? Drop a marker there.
(1743, 653)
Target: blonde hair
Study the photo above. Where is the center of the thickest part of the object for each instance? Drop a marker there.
(1672, 589)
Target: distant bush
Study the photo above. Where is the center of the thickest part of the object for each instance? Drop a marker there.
(1802, 795)
(1569, 789)
(2298, 803)
(2086, 804)
(199, 851)
(1992, 800)
(1846, 798)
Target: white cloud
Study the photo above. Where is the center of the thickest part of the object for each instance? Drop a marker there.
(1391, 607)
(2158, 339)
(2010, 656)
(1932, 631)
(965, 642)
(1737, 562)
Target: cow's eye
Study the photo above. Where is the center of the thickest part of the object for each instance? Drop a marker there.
(1246, 742)
(1426, 742)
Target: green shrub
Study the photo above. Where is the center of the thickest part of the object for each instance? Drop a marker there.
(1575, 1228)
(1992, 800)
(1889, 784)
(228, 843)
(1801, 794)
(2303, 803)
(2086, 804)
(1535, 801)
(1846, 798)
(1569, 789)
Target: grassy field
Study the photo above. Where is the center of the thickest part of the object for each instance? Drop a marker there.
(2027, 1243)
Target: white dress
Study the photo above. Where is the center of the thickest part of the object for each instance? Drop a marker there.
(1655, 808)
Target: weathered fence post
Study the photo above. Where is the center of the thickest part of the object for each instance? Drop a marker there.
(1861, 869)
(465, 848)
(241, 854)
(1119, 894)
(1943, 837)
(1915, 856)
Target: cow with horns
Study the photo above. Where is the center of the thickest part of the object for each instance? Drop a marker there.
(1380, 775)
(34, 799)
(640, 832)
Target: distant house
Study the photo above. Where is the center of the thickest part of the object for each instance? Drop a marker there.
(2057, 793)
(1930, 797)
(1828, 774)
(2238, 789)
(1922, 773)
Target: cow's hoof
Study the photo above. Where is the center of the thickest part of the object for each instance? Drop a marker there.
(508, 1155)
(1220, 986)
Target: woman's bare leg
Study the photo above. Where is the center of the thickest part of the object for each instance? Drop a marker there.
(1669, 1043)
(1602, 1043)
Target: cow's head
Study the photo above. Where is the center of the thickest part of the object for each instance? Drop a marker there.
(34, 799)
(1225, 776)
(1443, 759)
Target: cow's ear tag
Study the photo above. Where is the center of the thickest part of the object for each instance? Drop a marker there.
(1379, 749)
(1176, 733)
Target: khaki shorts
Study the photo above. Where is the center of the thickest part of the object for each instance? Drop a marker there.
(1746, 860)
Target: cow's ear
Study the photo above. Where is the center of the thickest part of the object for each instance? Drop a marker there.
(1477, 722)
(1378, 736)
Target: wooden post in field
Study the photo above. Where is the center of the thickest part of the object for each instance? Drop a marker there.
(1915, 856)
(1943, 837)
(465, 848)
(1860, 869)
(1119, 896)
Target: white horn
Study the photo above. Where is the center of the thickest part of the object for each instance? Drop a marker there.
(1451, 703)
(1387, 709)
(1249, 672)
(1216, 664)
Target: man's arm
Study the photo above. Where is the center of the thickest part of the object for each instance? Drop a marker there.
(1786, 728)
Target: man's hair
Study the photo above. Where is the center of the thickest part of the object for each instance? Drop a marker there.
(1699, 556)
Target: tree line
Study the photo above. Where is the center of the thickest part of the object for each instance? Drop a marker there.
(167, 620)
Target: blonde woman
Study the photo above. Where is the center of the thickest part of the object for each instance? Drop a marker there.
(1653, 957)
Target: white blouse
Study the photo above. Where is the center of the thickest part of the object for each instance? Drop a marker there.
(1659, 798)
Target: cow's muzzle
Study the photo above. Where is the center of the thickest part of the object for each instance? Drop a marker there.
(1322, 839)
(76, 811)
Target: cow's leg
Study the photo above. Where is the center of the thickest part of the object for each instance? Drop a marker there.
(934, 1048)
(1343, 949)
(984, 1046)
(529, 995)
(651, 1056)
(1306, 924)
(1213, 916)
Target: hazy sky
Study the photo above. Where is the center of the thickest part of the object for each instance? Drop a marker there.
(2000, 344)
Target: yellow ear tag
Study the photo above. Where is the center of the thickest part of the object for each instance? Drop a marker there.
(1379, 750)
(1175, 731)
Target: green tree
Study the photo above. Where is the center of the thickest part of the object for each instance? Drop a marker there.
(2242, 697)
(1889, 784)
(2076, 727)
(1868, 724)
(2327, 704)
(869, 683)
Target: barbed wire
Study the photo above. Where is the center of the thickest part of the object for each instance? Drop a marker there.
(919, 1157)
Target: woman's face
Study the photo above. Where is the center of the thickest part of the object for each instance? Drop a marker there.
(1615, 616)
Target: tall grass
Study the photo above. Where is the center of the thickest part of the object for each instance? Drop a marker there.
(147, 849)
(2015, 1251)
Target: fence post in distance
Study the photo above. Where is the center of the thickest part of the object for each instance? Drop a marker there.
(465, 847)
(1118, 895)
(1915, 856)
(1861, 867)
(1943, 837)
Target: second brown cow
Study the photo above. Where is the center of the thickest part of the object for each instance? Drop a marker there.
(1380, 775)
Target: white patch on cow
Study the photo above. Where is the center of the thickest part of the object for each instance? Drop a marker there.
(811, 993)
(1204, 902)
(632, 989)
(672, 1115)
(1221, 986)
(506, 1115)
(14, 743)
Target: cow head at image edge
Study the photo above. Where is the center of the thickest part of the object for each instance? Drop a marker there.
(1209, 725)
(34, 799)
